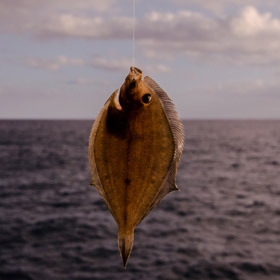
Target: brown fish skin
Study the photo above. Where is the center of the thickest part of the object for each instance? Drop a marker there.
(132, 152)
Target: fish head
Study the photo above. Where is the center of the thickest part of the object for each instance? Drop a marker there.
(134, 93)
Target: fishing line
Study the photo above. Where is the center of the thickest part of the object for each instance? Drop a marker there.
(133, 34)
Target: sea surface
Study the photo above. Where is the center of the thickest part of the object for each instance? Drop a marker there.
(223, 224)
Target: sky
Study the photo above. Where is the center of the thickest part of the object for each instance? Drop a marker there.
(216, 59)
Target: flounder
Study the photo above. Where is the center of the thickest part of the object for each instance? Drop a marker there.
(134, 150)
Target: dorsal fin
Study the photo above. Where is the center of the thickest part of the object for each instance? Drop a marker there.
(95, 180)
(174, 120)
(177, 129)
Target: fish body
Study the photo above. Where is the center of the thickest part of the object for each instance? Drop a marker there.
(134, 150)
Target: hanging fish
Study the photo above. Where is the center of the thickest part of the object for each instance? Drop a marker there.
(134, 150)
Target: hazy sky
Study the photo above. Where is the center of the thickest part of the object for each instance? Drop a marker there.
(215, 58)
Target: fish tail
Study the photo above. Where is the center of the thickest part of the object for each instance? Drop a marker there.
(125, 241)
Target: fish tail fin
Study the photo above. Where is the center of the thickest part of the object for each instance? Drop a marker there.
(125, 241)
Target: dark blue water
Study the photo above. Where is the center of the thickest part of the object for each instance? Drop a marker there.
(223, 224)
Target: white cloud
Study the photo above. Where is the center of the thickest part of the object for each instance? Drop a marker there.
(220, 6)
(60, 61)
(74, 5)
(157, 68)
(122, 64)
(69, 25)
(22, 6)
(248, 87)
(111, 64)
(250, 37)
(53, 64)
(252, 23)
(32, 15)
(84, 81)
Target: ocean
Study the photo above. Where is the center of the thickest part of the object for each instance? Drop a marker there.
(223, 224)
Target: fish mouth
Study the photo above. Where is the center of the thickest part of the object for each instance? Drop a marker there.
(135, 70)
(134, 76)
(128, 95)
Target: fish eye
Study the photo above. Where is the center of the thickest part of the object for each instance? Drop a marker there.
(146, 98)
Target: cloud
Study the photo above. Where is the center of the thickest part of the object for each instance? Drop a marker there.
(32, 15)
(219, 7)
(23, 6)
(124, 64)
(73, 26)
(249, 37)
(251, 23)
(121, 64)
(111, 64)
(157, 68)
(84, 5)
(52, 64)
(60, 61)
(85, 81)
(256, 87)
